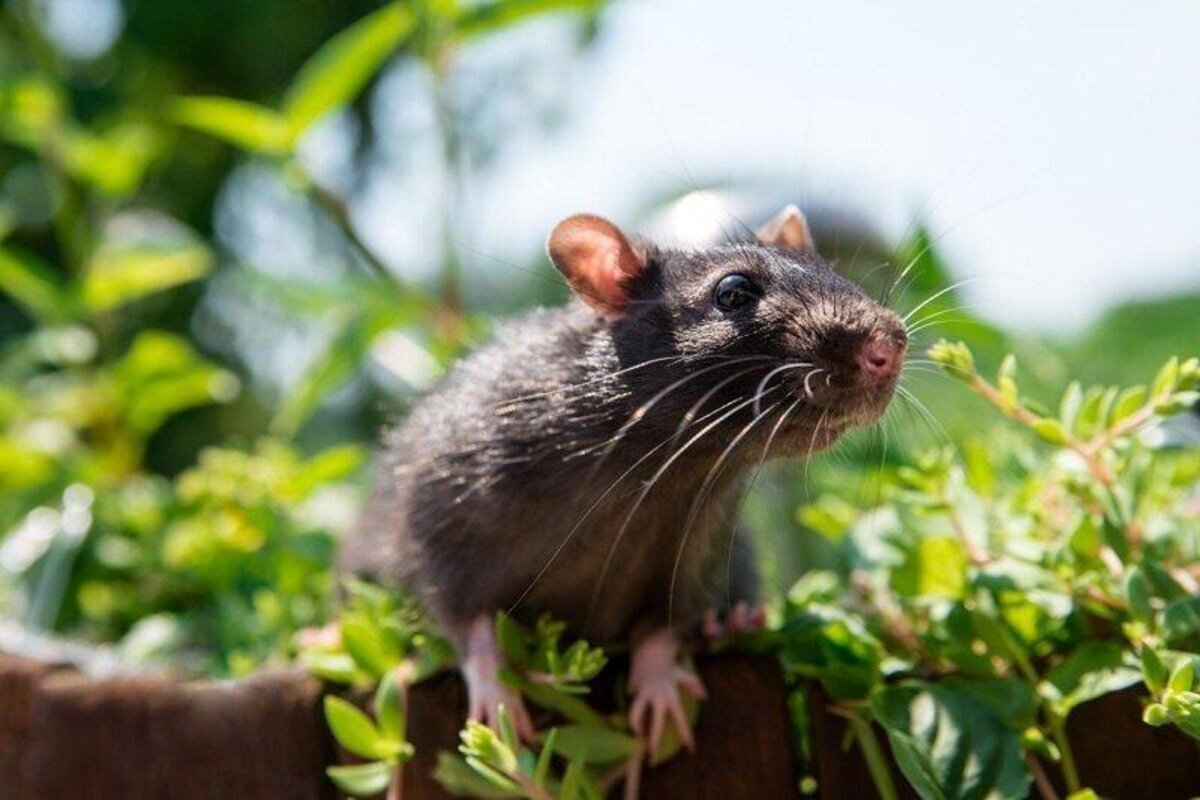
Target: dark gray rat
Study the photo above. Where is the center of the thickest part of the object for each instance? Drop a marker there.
(589, 461)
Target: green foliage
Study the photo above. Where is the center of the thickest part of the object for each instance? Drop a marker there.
(984, 599)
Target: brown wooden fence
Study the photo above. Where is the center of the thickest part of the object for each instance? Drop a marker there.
(64, 735)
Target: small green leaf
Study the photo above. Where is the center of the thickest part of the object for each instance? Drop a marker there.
(354, 730)
(116, 276)
(362, 780)
(1156, 714)
(364, 643)
(336, 74)
(1183, 677)
(1128, 402)
(389, 707)
(1068, 407)
(478, 19)
(935, 567)
(33, 285)
(481, 743)
(542, 769)
(1181, 618)
(460, 778)
(333, 667)
(1165, 380)
(1154, 672)
(1094, 670)
(1050, 431)
(247, 125)
(593, 745)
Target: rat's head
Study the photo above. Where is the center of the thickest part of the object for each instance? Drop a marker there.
(768, 317)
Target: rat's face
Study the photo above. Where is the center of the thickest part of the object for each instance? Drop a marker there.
(806, 351)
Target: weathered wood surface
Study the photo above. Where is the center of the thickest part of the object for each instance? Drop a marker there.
(1117, 755)
(64, 735)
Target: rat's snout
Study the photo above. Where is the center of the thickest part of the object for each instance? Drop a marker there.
(882, 355)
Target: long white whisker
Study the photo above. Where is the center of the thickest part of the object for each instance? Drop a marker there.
(934, 296)
(767, 379)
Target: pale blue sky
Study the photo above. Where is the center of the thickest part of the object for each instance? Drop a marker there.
(1053, 145)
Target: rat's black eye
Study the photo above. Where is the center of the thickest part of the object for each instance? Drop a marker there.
(735, 291)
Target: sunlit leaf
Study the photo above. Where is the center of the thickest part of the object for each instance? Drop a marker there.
(338, 71)
(489, 17)
(354, 730)
(247, 125)
(1094, 670)
(122, 275)
(936, 567)
(457, 776)
(950, 745)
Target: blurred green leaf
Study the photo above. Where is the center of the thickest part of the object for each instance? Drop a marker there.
(354, 730)
(247, 125)
(33, 285)
(935, 567)
(362, 780)
(458, 777)
(594, 744)
(345, 64)
(1181, 619)
(389, 707)
(117, 276)
(1093, 670)
(480, 19)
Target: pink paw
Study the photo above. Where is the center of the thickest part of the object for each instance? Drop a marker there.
(486, 696)
(742, 618)
(656, 678)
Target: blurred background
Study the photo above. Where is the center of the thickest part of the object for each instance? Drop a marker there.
(237, 238)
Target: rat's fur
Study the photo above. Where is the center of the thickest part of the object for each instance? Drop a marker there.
(508, 487)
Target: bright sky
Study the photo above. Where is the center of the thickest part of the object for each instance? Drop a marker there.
(1054, 146)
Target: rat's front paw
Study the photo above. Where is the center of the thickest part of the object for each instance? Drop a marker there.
(486, 694)
(742, 618)
(656, 678)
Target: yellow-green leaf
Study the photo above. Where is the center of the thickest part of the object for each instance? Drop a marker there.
(247, 125)
(338, 71)
(121, 275)
(33, 285)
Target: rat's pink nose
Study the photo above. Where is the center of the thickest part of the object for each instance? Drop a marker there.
(881, 357)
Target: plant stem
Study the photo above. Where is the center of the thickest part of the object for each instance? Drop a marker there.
(1040, 779)
(1058, 730)
(877, 763)
(335, 209)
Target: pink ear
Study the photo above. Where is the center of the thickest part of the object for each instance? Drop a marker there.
(597, 260)
(787, 229)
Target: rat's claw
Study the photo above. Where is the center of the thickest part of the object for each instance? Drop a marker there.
(656, 680)
(486, 697)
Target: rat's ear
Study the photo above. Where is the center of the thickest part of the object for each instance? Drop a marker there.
(787, 229)
(597, 260)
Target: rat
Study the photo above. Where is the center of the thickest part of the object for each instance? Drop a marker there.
(590, 460)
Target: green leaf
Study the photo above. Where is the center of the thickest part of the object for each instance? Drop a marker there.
(592, 744)
(354, 730)
(541, 770)
(935, 567)
(479, 19)
(1094, 670)
(1165, 380)
(246, 125)
(459, 778)
(1068, 407)
(1183, 677)
(362, 780)
(1128, 402)
(33, 285)
(948, 744)
(366, 646)
(333, 667)
(389, 707)
(1181, 618)
(117, 276)
(336, 74)
(1050, 431)
(570, 707)
(481, 743)
(1154, 672)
